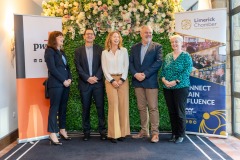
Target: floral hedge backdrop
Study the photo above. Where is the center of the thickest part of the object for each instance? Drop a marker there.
(126, 16)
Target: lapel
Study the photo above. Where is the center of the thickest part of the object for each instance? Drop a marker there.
(84, 57)
(138, 55)
(59, 55)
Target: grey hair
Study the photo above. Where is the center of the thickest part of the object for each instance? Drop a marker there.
(146, 26)
(178, 37)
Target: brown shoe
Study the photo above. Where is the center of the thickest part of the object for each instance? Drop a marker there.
(140, 135)
(155, 138)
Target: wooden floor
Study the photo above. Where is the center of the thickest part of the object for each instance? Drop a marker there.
(231, 146)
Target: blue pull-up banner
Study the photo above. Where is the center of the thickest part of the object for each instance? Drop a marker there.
(204, 34)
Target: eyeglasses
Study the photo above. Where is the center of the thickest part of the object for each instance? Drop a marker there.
(147, 32)
(89, 34)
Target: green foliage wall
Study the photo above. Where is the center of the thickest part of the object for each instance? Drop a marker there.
(74, 117)
(103, 15)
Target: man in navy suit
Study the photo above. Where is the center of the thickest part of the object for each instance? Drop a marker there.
(88, 64)
(144, 63)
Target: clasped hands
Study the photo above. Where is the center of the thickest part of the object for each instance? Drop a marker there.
(67, 83)
(140, 76)
(92, 80)
(117, 84)
(169, 84)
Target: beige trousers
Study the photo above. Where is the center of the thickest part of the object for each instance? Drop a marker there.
(118, 109)
(147, 100)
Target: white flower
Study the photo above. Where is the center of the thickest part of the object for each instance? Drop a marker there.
(130, 5)
(99, 3)
(95, 11)
(120, 8)
(72, 18)
(125, 6)
(75, 4)
(146, 11)
(150, 4)
(134, 10)
(61, 4)
(161, 30)
(110, 8)
(65, 11)
(163, 15)
(130, 9)
(141, 8)
(116, 2)
(65, 5)
(81, 16)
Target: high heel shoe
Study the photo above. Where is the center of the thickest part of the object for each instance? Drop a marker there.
(54, 143)
(65, 138)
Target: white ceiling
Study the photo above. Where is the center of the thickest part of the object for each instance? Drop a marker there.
(186, 4)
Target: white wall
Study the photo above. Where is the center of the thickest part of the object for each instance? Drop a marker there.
(8, 101)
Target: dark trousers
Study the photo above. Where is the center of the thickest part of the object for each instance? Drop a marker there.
(176, 100)
(86, 98)
(58, 105)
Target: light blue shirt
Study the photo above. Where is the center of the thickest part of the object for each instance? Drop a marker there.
(89, 51)
(143, 51)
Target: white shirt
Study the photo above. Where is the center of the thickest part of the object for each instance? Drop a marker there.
(117, 63)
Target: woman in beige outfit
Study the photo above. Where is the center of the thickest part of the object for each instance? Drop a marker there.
(115, 64)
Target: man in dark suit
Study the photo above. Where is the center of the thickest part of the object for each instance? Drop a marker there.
(145, 61)
(220, 76)
(88, 64)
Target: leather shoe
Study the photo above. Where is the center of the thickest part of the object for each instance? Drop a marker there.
(172, 139)
(179, 140)
(103, 137)
(120, 139)
(140, 135)
(113, 140)
(155, 138)
(86, 137)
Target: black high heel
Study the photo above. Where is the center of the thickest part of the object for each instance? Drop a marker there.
(54, 143)
(65, 138)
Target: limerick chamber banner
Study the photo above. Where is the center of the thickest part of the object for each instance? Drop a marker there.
(204, 34)
(31, 35)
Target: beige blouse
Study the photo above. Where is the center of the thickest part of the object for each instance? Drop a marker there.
(117, 63)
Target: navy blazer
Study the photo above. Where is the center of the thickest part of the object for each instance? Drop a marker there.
(81, 63)
(58, 72)
(150, 65)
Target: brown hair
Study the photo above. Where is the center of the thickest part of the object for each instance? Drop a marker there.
(108, 43)
(52, 39)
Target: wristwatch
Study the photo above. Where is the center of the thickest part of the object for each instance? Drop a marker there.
(177, 82)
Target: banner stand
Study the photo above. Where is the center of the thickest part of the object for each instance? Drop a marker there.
(31, 36)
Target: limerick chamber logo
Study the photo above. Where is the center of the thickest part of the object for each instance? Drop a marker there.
(186, 24)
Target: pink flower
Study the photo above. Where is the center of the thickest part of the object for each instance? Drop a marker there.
(98, 24)
(105, 7)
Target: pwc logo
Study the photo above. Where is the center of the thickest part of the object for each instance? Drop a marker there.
(37, 46)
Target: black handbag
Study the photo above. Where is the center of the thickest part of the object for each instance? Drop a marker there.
(45, 83)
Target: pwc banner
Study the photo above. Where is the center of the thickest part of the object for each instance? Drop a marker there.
(204, 34)
(31, 35)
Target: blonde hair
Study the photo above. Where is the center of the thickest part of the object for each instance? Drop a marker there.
(178, 37)
(108, 43)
